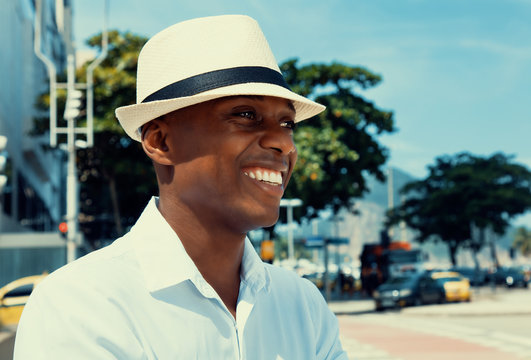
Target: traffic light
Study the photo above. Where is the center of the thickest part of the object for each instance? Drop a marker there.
(73, 104)
(63, 229)
(267, 251)
(3, 162)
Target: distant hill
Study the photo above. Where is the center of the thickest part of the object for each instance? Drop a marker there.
(365, 226)
(379, 191)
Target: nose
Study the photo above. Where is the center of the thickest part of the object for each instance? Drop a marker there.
(279, 139)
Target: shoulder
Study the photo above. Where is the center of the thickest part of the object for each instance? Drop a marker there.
(95, 272)
(301, 301)
(83, 303)
(290, 285)
(103, 280)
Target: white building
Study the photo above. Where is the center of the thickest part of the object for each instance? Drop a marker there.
(33, 197)
(32, 202)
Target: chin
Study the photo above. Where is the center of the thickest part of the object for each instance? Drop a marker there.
(263, 220)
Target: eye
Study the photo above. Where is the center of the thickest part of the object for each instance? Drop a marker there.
(251, 115)
(290, 124)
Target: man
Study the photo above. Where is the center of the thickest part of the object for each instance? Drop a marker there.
(216, 118)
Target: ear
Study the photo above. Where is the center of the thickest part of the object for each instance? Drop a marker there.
(154, 141)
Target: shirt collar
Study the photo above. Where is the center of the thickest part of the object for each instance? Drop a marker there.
(164, 261)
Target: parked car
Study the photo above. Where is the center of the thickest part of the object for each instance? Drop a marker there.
(396, 292)
(413, 289)
(477, 277)
(13, 298)
(456, 286)
(430, 290)
(511, 277)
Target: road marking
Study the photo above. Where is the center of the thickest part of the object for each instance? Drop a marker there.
(514, 344)
(512, 338)
(359, 351)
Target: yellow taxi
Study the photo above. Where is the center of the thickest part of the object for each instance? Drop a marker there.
(13, 297)
(456, 286)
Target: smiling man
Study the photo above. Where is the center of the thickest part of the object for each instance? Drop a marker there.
(216, 117)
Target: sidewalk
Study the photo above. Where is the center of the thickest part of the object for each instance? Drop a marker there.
(6, 332)
(485, 301)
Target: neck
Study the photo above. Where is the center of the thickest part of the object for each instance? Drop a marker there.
(215, 250)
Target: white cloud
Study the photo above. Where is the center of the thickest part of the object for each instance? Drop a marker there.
(523, 220)
(524, 161)
(398, 145)
(497, 48)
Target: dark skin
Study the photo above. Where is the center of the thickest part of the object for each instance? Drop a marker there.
(206, 158)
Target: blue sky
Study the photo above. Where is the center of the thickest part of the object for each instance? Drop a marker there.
(456, 73)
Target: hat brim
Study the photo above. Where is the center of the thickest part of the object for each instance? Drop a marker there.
(132, 117)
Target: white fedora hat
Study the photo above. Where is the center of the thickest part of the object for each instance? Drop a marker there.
(203, 59)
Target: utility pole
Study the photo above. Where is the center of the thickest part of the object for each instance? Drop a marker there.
(289, 204)
(52, 72)
(71, 113)
(72, 194)
(3, 177)
(390, 197)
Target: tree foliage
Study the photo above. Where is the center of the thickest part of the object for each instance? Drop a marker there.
(522, 241)
(336, 149)
(116, 177)
(339, 147)
(462, 192)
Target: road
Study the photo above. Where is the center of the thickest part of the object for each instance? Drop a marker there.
(494, 327)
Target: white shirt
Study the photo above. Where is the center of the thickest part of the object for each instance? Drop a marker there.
(143, 298)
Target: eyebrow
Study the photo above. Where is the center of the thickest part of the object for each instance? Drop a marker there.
(261, 98)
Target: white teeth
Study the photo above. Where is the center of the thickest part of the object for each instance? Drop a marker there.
(262, 175)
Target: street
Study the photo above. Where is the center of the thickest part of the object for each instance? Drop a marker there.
(496, 326)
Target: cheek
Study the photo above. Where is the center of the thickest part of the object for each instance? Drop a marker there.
(293, 160)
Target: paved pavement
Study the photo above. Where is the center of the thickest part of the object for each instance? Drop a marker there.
(390, 336)
(7, 338)
(485, 301)
(6, 332)
(417, 333)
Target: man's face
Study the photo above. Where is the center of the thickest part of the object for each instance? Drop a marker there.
(233, 158)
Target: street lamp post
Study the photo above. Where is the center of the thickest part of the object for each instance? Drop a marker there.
(72, 198)
(70, 115)
(290, 204)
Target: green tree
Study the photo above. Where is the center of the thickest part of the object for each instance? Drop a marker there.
(115, 162)
(338, 148)
(463, 192)
(522, 241)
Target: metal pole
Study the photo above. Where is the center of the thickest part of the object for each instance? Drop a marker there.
(337, 287)
(291, 255)
(289, 204)
(52, 73)
(71, 177)
(390, 197)
(325, 275)
(90, 77)
(315, 232)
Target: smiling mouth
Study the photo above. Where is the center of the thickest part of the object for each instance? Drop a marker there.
(267, 176)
